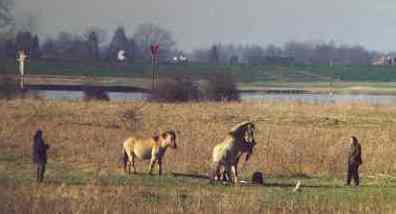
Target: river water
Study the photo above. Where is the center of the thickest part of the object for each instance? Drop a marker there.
(245, 96)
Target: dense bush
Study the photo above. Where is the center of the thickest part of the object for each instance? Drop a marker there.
(95, 93)
(219, 86)
(179, 89)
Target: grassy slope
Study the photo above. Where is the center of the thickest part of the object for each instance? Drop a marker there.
(315, 78)
(245, 73)
(295, 142)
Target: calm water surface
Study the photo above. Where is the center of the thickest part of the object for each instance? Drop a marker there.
(245, 96)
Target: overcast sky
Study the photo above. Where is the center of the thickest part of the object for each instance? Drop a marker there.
(200, 23)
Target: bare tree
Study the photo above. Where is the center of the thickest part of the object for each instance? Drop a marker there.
(5, 13)
(27, 22)
(99, 32)
(48, 48)
(94, 36)
(201, 55)
(273, 50)
(254, 54)
(66, 46)
(24, 41)
(132, 50)
(118, 42)
(324, 54)
(214, 55)
(302, 52)
(36, 50)
(93, 45)
(148, 34)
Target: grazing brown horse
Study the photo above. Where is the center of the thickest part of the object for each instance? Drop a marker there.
(152, 149)
(226, 155)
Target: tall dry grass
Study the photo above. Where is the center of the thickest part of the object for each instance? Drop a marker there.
(293, 139)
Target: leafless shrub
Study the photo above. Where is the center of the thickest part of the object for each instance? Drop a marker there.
(220, 86)
(95, 93)
(8, 88)
(133, 117)
(179, 89)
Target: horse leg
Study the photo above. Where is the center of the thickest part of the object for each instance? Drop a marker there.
(125, 160)
(133, 163)
(152, 162)
(235, 173)
(222, 175)
(227, 174)
(160, 166)
(214, 173)
(37, 173)
(129, 167)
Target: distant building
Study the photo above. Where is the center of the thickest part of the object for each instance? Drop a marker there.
(121, 55)
(385, 60)
(180, 59)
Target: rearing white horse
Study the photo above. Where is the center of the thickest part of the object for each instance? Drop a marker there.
(239, 140)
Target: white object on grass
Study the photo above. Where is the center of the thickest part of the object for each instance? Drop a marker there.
(297, 188)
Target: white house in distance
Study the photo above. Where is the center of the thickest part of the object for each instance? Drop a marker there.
(180, 59)
(389, 59)
(121, 55)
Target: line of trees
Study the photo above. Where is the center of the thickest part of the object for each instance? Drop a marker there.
(5, 13)
(291, 52)
(91, 45)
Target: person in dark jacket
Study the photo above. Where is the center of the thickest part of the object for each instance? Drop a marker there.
(39, 155)
(354, 161)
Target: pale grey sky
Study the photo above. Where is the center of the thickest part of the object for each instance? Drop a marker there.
(199, 23)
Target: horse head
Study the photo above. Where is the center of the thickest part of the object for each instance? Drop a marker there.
(245, 131)
(169, 138)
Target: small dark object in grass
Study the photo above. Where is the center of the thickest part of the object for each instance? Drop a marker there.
(257, 178)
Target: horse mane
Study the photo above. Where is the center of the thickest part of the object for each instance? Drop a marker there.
(170, 132)
(158, 134)
(156, 138)
(236, 130)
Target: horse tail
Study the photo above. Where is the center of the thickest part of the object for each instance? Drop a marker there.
(214, 172)
(124, 158)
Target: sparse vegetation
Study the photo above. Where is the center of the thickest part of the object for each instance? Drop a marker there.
(295, 141)
(132, 117)
(220, 86)
(92, 92)
(8, 88)
(176, 90)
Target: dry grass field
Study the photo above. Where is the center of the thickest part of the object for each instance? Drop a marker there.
(295, 141)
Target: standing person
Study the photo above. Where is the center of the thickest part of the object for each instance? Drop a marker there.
(354, 161)
(39, 155)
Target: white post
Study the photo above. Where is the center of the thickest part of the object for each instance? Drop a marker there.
(21, 59)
